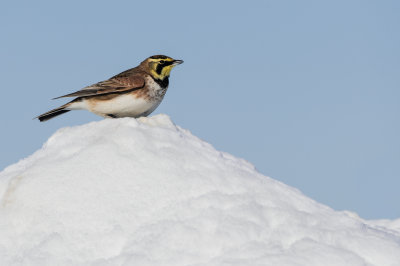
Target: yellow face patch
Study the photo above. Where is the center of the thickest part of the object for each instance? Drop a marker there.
(160, 68)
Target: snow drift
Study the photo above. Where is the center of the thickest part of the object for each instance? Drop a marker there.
(147, 192)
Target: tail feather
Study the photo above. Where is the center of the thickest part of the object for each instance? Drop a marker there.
(52, 113)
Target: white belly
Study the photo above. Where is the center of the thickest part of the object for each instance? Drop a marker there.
(124, 105)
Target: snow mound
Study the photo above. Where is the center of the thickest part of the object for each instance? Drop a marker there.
(147, 192)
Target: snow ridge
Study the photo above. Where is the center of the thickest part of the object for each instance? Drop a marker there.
(147, 192)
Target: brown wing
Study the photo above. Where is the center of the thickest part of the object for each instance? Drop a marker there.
(116, 84)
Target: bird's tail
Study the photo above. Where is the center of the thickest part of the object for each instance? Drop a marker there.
(53, 113)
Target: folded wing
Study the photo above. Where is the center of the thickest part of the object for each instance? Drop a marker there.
(117, 84)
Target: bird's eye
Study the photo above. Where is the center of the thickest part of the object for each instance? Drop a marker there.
(162, 61)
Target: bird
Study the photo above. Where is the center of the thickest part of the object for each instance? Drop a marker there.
(135, 92)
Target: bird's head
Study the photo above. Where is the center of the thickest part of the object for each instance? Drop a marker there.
(160, 66)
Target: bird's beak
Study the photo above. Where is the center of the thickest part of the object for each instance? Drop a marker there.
(177, 62)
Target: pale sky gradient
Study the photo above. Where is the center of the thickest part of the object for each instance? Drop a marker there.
(308, 91)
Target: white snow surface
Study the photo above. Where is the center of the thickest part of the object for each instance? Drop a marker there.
(147, 192)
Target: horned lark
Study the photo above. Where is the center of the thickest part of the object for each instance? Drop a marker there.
(133, 93)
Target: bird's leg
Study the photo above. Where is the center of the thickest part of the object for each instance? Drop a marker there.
(110, 116)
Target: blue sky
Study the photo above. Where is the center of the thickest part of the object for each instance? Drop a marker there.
(308, 91)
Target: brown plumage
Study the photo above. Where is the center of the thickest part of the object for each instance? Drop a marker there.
(134, 92)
